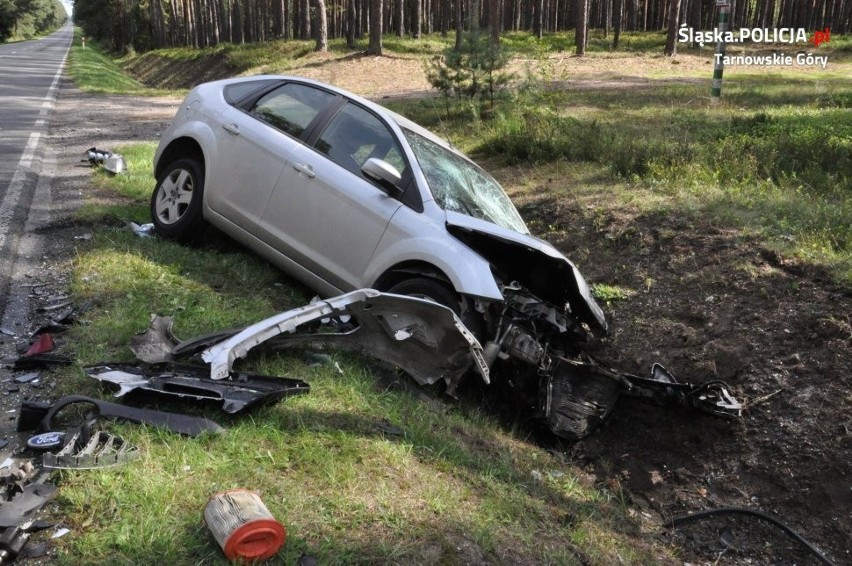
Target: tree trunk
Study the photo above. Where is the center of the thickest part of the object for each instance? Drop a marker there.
(581, 26)
(674, 19)
(459, 24)
(538, 19)
(494, 21)
(375, 46)
(617, 11)
(351, 23)
(321, 26)
(417, 18)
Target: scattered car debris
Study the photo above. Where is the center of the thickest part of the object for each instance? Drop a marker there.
(12, 542)
(60, 532)
(43, 344)
(62, 304)
(236, 393)
(38, 361)
(39, 416)
(143, 230)
(243, 526)
(22, 505)
(112, 162)
(155, 344)
(87, 450)
(27, 377)
(46, 441)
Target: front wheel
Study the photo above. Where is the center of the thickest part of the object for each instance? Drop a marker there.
(176, 201)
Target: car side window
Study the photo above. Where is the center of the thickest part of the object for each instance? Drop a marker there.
(354, 136)
(292, 107)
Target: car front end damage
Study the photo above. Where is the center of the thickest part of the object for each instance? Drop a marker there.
(537, 340)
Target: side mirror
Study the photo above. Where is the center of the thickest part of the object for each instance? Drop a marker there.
(384, 174)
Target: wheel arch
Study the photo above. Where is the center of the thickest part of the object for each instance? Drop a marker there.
(183, 147)
(408, 269)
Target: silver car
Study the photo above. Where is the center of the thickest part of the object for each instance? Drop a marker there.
(343, 194)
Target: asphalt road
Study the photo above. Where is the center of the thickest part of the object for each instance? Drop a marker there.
(30, 72)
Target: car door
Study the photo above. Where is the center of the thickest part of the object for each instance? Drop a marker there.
(254, 142)
(323, 209)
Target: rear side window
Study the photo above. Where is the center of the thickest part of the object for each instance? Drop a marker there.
(236, 92)
(354, 136)
(292, 107)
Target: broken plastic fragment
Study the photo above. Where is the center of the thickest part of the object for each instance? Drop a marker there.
(143, 230)
(102, 450)
(425, 339)
(27, 377)
(239, 392)
(40, 416)
(43, 344)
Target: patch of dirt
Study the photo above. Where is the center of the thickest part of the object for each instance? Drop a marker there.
(711, 303)
(715, 304)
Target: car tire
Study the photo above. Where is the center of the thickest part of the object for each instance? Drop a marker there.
(176, 202)
(580, 401)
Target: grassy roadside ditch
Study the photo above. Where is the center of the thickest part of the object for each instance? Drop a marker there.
(359, 472)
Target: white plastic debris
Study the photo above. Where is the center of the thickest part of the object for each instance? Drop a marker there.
(143, 231)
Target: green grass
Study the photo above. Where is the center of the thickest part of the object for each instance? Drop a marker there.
(95, 71)
(452, 487)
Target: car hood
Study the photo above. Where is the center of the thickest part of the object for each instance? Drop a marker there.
(532, 262)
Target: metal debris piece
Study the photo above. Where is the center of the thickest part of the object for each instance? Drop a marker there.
(102, 450)
(61, 304)
(40, 416)
(27, 377)
(425, 339)
(19, 509)
(156, 343)
(237, 393)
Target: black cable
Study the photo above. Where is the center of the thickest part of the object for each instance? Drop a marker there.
(739, 511)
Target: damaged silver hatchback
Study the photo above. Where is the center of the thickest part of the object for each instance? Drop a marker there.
(343, 194)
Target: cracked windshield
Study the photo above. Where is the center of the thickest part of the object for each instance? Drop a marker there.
(460, 186)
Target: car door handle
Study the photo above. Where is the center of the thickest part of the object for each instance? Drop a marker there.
(306, 170)
(232, 129)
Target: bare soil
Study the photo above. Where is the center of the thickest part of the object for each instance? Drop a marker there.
(714, 304)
